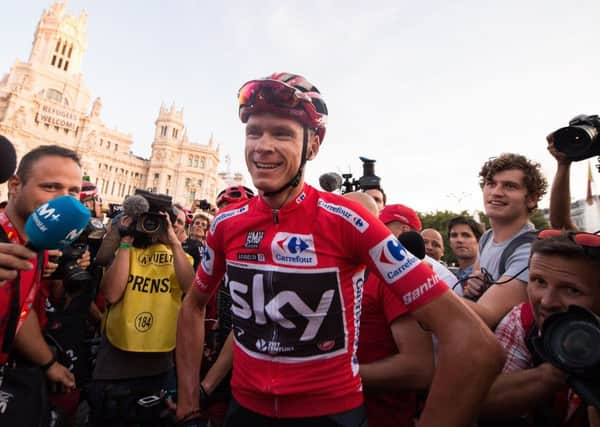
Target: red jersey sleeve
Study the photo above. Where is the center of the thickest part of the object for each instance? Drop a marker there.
(413, 282)
(392, 306)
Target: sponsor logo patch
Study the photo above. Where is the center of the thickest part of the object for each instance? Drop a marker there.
(253, 239)
(276, 314)
(294, 249)
(208, 258)
(392, 260)
(348, 214)
(418, 292)
(226, 215)
(243, 256)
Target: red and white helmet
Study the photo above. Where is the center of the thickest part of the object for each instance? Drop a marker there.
(88, 192)
(285, 94)
(233, 194)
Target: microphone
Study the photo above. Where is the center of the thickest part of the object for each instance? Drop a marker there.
(330, 181)
(56, 223)
(413, 242)
(8, 159)
(135, 205)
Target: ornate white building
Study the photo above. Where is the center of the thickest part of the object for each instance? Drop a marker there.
(45, 101)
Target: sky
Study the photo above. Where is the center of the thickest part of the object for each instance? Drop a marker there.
(429, 89)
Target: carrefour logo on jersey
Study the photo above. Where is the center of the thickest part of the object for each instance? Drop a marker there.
(392, 259)
(348, 214)
(294, 249)
(208, 258)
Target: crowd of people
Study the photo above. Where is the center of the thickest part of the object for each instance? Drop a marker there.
(294, 306)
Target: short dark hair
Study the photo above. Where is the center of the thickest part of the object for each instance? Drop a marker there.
(563, 246)
(26, 163)
(382, 193)
(475, 227)
(534, 180)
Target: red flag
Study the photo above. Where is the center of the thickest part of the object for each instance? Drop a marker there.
(588, 197)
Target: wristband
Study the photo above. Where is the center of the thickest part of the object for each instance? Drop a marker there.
(124, 245)
(46, 366)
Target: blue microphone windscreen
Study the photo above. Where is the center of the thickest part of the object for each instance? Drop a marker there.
(57, 223)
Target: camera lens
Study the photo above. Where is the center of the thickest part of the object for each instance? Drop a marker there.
(150, 224)
(575, 343)
(577, 142)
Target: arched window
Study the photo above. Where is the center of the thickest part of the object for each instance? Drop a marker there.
(54, 95)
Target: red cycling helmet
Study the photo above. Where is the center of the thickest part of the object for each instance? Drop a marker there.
(88, 191)
(285, 94)
(233, 194)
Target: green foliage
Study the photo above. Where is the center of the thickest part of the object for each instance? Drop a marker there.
(439, 221)
(537, 219)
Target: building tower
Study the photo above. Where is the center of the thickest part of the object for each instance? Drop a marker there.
(168, 134)
(60, 40)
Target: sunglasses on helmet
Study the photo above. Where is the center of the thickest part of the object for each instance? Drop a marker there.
(277, 94)
(590, 242)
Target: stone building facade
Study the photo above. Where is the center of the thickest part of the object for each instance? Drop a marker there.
(45, 101)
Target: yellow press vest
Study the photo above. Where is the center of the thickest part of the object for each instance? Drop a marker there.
(145, 319)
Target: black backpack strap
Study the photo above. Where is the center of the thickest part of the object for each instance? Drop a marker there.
(484, 239)
(521, 239)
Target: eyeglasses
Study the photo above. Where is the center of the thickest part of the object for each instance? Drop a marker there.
(277, 94)
(590, 242)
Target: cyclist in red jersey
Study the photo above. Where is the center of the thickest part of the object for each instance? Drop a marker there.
(293, 261)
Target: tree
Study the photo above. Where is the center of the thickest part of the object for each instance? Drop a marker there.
(439, 221)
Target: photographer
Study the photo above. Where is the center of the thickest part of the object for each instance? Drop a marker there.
(144, 286)
(562, 272)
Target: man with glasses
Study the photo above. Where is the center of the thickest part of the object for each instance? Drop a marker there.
(563, 271)
(293, 259)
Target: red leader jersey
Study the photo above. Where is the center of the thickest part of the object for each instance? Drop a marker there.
(29, 282)
(295, 276)
(380, 307)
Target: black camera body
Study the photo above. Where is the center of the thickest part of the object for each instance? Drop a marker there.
(367, 181)
(153, 222)
(571, 342)
(73, 276)
(580, 140)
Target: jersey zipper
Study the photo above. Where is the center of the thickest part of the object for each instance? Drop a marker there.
(276, 216)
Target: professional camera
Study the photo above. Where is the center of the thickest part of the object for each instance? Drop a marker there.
(579, 140)
(571, 342)
(153, 222)
(73, 276)
(332, 181)
(369, 180)
(114, 209)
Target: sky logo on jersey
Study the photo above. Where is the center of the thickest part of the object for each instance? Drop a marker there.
(294, 249)
(348, 214)
(392, 259)
(208, 258)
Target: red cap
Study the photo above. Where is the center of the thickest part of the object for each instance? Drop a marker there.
(402, 214)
